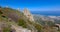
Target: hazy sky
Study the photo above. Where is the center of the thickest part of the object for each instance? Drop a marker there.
(33, 5)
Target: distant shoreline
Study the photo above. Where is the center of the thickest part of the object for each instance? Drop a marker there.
(46, 13)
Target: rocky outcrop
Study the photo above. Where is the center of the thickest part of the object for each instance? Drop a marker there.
(11, 18)
(28, 14)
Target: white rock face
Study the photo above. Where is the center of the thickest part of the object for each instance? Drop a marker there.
(28, 15)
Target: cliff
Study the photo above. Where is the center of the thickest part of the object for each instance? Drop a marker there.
(28, 14)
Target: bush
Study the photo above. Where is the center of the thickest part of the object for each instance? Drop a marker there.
(38, 27)
(50, 23)
(6, 29)
(22, 23)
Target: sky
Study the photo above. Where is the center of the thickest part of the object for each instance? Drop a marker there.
(33, 5)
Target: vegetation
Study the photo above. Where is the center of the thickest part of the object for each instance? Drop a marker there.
(22, 23)
(38, 27)
(6, 29)
(12, 16)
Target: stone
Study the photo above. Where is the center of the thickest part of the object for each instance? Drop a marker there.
(28, 14)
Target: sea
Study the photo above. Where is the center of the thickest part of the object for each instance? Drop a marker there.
(47, 13)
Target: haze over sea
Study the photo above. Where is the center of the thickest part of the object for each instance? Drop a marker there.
(46, 13)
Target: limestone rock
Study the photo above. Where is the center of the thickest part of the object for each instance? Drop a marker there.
(28, 14)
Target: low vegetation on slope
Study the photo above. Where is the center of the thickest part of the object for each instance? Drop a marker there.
(11, 15)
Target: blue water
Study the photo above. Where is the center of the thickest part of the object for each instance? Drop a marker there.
(51, 13)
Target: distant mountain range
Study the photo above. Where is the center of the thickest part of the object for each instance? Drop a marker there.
(47, 13)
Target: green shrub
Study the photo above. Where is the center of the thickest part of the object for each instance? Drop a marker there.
(49, 23)
(38, 27)
(6, 29)
(22, 23)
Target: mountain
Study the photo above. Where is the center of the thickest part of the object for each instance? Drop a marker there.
(12, 20)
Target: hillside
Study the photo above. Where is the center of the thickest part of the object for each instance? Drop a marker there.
(9, 17)
(12, 20)
(48, 21)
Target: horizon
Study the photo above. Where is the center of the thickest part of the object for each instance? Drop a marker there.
(33, 5)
